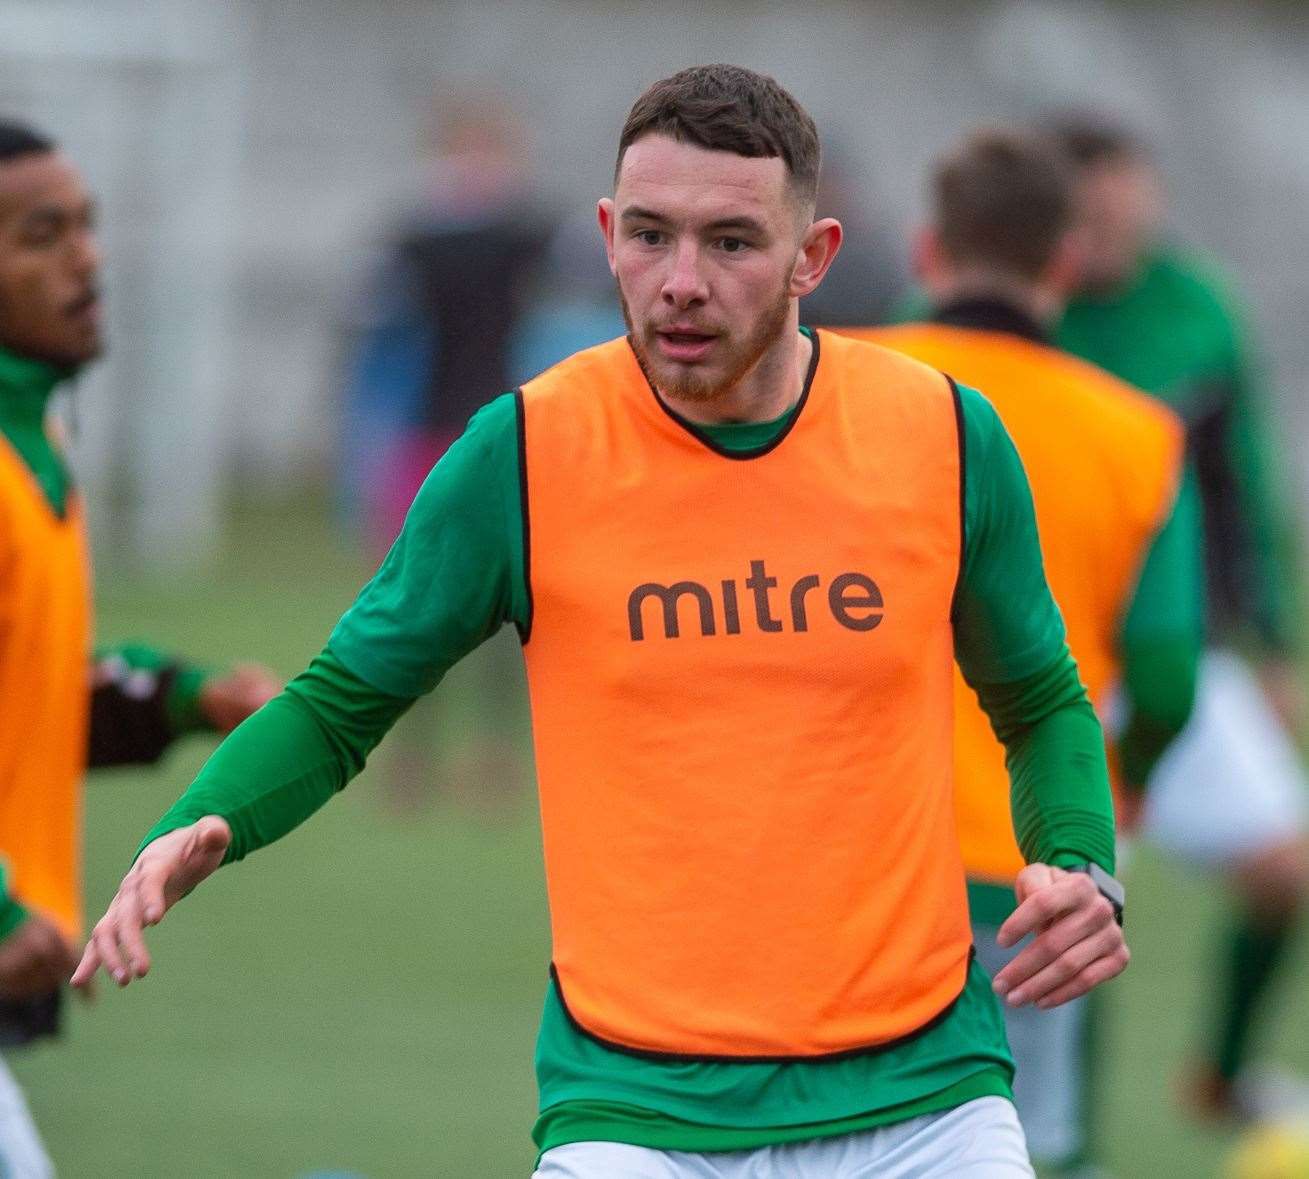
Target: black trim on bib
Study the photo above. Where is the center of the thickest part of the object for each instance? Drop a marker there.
(520, 419)
(708, 443)
(963, 488)
(697, 1058)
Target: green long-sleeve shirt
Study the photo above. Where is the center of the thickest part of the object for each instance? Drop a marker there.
(457, 573)
(1174, 329)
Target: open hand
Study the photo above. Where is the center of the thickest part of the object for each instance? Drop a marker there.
(1078, 943)
(169, 868)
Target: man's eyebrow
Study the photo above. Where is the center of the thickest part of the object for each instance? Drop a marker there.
(749, 224)
(742, 222)
(638, 213)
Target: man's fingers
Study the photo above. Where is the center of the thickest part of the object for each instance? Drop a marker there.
(86, 968)
(1046, 904)
(150, 893)
(128, 933)
(1065, 967)
(1050, 943)
(1101, 970)
(105, 938)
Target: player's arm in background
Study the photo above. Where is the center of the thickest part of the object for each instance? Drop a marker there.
(453, 577)
(1010, 644)
(1161, 641)
(143, 699)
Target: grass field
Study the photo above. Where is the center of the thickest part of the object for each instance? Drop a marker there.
(364, 997)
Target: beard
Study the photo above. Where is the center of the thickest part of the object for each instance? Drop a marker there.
(688, 382)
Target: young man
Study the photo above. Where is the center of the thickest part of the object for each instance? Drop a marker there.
(998, 260)
(1163, 318)
(740, 557)
(59, 710)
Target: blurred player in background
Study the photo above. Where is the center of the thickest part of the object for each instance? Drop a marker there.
(431, 348)
(762, 958)
(1122, 550)
(59, 708)
(1231, 793)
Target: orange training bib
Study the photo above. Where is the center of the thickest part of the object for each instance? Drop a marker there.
(1104, 462)
(741, 682)
(45, 693)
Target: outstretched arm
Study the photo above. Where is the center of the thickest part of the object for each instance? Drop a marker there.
(275, 771)
(451, 579)
(1009, 640)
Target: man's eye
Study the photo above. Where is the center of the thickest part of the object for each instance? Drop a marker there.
(649, 237)
(41, 238)
(733, 245)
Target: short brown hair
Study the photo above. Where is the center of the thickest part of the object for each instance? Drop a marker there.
(1090, 138)
(1003, 199)
(729, 108)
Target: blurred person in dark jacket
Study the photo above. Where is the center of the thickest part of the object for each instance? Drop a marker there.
(432, 346)
(436, 328)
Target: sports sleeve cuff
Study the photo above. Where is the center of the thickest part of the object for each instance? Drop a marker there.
(183, 703)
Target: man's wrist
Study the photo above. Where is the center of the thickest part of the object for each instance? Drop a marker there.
(1106, 884)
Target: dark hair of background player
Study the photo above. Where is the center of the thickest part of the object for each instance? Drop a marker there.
(1089, 138)
(18, 139)
(1003, 199)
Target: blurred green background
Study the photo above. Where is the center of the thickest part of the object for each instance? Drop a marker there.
(364, 997)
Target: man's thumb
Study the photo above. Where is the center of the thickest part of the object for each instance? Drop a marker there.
(212, 834)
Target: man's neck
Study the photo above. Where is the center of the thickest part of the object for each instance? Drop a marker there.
(766, 392)
(1033, 299)
(28, 379)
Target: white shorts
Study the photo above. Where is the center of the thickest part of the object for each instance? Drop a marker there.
(1232, 784)
(21, 1154)
(1049, 1050)
(978, 1140)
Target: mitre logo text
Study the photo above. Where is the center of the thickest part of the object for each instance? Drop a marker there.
(721, 608)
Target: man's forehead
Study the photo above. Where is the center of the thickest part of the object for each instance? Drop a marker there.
(46, 178)
(658, 168)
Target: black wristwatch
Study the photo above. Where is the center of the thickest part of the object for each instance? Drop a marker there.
(1111, 889)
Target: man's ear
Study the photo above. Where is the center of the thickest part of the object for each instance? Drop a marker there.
(930, 265)
(1063, 273)
(818, 248)
(604, 212)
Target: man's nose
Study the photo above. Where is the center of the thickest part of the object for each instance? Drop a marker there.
(87, 255)
(684, 285)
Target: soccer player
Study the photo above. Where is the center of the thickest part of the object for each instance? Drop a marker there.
(1122, 550)
(742, 558)
(1231, 794)
(59, 709)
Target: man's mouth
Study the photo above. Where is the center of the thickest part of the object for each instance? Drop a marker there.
(685, 345)
(86, 307)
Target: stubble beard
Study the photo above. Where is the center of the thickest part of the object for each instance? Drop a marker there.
(684, 382)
